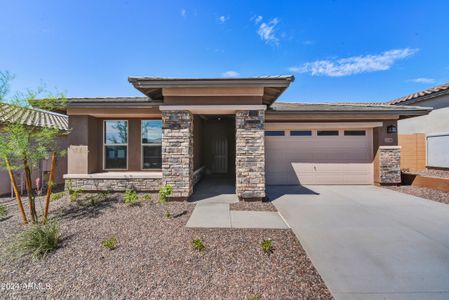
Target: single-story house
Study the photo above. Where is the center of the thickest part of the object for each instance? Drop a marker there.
(182, 129)
(425, 139)
(35, 118)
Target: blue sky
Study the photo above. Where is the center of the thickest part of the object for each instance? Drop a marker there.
(338, 50)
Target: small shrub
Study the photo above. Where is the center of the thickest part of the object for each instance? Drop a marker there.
(164, 193)
(39, 239)
(57, 196)
(255, 297)
(3, 211)
(198, 245)
(267, 246)
(168, 214)
(147, 197)
(74, 194)
(111, 243)
(131, 197)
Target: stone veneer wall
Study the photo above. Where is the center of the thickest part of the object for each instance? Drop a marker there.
(250, 154)
(114, 184)
(198, 175)
(177, 152)
(390, 164)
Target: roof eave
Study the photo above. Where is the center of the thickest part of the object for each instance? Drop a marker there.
(403, 114)
(152, 87)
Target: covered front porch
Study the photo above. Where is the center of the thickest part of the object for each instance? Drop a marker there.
(182, 130)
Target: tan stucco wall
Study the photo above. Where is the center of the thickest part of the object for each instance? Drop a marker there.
(86, 144)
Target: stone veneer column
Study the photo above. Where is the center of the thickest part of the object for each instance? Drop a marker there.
(389, 164)
(177, 152)
(250, 154)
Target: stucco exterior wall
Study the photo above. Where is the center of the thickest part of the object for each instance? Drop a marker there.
(437, 121)
(86, 144)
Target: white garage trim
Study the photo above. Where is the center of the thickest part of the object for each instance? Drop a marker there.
(346, 125)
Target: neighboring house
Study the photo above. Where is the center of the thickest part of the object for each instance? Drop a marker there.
(425, 139)
(183, 129)
(35, 118)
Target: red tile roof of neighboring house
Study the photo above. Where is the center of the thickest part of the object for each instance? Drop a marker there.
(32, 117)
(422, 95)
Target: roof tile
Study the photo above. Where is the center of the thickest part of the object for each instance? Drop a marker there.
(32, 117)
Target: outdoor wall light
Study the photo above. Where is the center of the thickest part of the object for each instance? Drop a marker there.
(392, 129)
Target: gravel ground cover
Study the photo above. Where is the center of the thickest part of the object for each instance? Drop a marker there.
(154, 258)
(423, 192)
(253, 205)
(434, 173)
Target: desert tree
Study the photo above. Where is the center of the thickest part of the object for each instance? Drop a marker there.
(25, 145)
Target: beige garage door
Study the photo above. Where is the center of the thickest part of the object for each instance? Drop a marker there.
(327, 156)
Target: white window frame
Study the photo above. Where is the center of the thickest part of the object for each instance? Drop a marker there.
(105, 145)
(146, 145)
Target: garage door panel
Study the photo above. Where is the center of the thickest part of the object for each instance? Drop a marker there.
(319, 160)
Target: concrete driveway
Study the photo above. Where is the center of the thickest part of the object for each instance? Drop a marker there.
(368, 242)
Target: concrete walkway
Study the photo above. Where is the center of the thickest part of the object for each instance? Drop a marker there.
(219, 215)
(369, 242)
(213, 197)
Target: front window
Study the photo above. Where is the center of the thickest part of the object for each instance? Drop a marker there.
(151, 131)
(115, 144)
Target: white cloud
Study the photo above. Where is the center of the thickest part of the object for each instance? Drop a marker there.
(295, 69)
(355, 64)
(267, 31)
(222, 19)
(230, 73)
(423, 80)
(257, 19)
(308, 42)
(183, 12)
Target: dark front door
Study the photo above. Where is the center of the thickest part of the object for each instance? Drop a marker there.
(219, 154)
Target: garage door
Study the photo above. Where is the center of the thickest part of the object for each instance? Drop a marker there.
(327, 156)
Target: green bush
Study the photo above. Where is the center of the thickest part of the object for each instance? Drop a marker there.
(147, 197)
(131, 197)
(57, 196)
(254, 297)
(164, 193)
(111, 243)
(39, 239)
(74, 194)
(3, 211)
(198, 245)
(267, 246)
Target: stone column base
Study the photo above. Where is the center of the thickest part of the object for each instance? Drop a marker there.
(389, 165)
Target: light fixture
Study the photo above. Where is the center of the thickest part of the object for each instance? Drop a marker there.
(392, 129)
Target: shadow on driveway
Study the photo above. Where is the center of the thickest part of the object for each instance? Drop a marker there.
(276, 191)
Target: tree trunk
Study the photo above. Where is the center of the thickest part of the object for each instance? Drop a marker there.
(29, 187)
(16, 192)
(49, 186)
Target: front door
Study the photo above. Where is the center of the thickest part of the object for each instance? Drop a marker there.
(219, 154)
